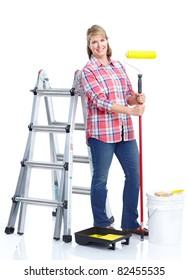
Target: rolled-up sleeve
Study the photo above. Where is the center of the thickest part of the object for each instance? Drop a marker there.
(94, 93)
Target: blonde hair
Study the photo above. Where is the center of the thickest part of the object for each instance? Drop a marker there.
(93, 30)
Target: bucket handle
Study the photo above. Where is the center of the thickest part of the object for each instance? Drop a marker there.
(149, 217)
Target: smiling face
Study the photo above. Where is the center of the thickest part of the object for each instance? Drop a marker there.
(98, 44)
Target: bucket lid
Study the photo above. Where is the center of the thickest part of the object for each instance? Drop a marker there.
(175, 197)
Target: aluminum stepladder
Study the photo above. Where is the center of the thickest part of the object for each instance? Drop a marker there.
(61, 165)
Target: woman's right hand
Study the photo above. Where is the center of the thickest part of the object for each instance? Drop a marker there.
(137, 110)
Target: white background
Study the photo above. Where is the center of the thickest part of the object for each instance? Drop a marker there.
(51, 35)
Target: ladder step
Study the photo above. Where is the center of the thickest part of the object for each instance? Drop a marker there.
(80, 190)
(49, 128)
(78, 126)
(76, 158)
(54, 92)
(39, 201)
(39, 164)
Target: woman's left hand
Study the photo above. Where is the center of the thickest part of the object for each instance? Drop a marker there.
(140, 98)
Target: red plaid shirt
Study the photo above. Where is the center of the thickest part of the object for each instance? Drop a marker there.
(103, 86)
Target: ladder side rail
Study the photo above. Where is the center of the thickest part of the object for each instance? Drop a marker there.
(44, 89)
(18, 192)
(55, 173)
(68, 177)
(60, 210)
(66, 183)
(27, 173)
(15, 204)
(54, 149)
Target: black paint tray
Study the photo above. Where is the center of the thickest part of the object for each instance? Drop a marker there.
(106, 236)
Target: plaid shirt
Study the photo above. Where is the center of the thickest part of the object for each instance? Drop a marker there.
(103, 86)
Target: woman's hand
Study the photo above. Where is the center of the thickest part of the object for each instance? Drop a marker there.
(140, 98)
(137, 98)
(137, 110)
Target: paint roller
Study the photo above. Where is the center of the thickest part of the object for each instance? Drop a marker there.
(139, 54)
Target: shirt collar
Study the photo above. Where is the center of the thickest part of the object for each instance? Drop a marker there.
(98, 63)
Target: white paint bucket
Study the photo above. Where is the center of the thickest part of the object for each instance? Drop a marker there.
(165, 219)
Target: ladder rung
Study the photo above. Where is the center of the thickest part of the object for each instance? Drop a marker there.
(81, 190)
(76, 158)
(78, 126)
(49, 128)
(38, 164)
(54, 92)
(40, 201)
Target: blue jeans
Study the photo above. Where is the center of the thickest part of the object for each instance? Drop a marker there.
(128, 156)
